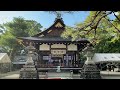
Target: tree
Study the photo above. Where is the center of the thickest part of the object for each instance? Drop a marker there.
(18, 27)
(102, 32)
(95, 21)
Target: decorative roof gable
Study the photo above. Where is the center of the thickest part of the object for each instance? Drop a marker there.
(58, 25)
(54, 30)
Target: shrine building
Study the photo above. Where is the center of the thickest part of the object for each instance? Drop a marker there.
(52, 49)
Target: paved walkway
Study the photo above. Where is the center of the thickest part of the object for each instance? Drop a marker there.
(14, 76)
(66, 75)
(51, 75)
(9, 74)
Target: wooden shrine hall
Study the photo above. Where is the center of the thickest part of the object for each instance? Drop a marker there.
(54, 50)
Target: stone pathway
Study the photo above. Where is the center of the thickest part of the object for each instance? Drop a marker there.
(51, 75)
(2, 75)
(62, 75)
(14, 76)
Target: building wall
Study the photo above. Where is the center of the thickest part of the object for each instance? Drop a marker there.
(47, 54)
(58, 46)
(44, 47)
(72, 47)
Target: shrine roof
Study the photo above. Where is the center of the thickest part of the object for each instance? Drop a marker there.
(53, 34)
(53, 27)
(52, 39)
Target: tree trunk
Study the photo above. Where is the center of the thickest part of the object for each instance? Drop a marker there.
(12, 55)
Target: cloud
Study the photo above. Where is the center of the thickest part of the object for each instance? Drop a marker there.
(116, 13)
(6, 16)
(5, 19)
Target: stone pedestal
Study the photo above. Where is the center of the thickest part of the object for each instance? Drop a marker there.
(90, 71)
(28, 72)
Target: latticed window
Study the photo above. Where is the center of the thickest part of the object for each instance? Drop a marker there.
(67, 57)
(45, 57)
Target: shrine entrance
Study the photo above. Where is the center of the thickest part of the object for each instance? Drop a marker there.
(57, 60)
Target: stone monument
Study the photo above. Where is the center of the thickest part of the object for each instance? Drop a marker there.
(29, 70)
(89, 69)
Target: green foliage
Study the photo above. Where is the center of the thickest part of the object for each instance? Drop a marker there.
(105, 36)
(73, 33)
(18, 27)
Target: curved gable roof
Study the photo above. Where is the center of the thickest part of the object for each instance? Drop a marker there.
(60, 26)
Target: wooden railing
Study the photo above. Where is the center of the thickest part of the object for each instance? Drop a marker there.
(50, 66)
(60, 68)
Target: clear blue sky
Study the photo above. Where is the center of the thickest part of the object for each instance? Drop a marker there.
(44, 18)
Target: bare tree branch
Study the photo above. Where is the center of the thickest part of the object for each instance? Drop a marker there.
(95, 26)
(116, 16)
(92, 22)
(112, 24)
(89, 24)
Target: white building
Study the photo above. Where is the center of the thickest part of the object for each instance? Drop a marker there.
(5, 63)
(106, 57)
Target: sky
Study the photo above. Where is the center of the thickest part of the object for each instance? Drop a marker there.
(44, 18)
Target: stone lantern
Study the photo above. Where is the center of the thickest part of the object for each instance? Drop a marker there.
(89, 70)
(29, 71)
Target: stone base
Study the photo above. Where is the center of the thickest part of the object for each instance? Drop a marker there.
(58, 71)
(90, 71)
(29, 72)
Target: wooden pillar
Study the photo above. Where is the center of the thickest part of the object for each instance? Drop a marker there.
(50, 60)
(40, 59)
(50, 55)
(66, 54)
(75, 59)
(63, 63)
(66, 59)
(78, 59)
(71, 60)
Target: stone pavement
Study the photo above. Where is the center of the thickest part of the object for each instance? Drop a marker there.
(51, 75)
(67, 75)
(63, 75)
(14, 76)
